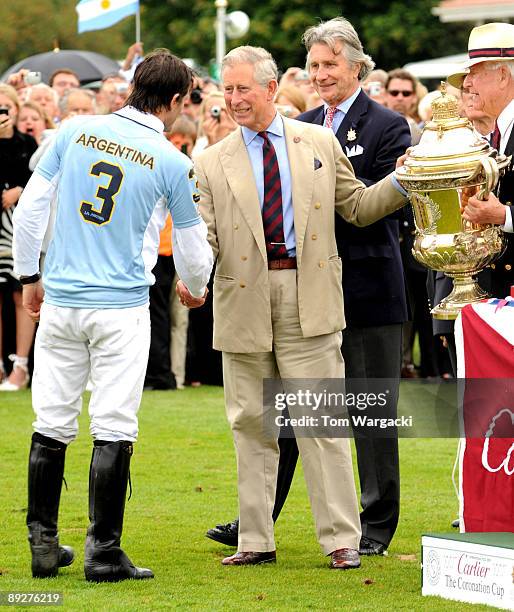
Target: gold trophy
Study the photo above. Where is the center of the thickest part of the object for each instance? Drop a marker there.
(451, 163)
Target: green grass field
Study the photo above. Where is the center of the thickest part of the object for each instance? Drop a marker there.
(183, 477)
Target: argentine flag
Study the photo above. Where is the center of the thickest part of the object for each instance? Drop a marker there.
(100, 14)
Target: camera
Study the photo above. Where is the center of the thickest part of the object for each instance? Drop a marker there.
(301, 75)
(32, 78)
(374, 88)
(196, 96)
(285, 109)
(121, 87)
(216, 112)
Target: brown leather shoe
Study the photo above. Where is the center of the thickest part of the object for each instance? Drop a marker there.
(251, 558)
(345, 558)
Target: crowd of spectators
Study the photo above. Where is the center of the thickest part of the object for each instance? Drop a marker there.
(32, 115)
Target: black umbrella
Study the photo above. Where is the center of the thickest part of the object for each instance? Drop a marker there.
(89, 66)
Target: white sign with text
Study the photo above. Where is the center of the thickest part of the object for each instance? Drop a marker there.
(464, 571)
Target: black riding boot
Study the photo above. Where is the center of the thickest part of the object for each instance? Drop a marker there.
(104, 559)
(46, 469)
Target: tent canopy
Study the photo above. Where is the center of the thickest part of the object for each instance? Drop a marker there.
(438, 68)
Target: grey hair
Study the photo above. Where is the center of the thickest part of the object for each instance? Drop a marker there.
(495, 65)
(378, 75)
(340, 30)
(264, 66)
(44, 87)
(63, 102)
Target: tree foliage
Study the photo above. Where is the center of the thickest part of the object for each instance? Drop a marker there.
(394, 33)
(408, 32)
(28, 27)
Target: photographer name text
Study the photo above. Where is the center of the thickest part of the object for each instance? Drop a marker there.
(356, 420)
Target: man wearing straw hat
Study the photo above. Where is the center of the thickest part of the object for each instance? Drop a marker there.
(490, 79)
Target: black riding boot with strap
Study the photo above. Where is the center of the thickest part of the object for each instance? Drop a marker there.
(104, 559)
(46, 470)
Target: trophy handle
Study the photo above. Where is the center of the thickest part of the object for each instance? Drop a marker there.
(492, 175)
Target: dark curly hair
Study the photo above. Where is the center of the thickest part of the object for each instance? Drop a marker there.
(157, 79)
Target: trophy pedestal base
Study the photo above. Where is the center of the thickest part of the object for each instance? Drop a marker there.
(465, 291)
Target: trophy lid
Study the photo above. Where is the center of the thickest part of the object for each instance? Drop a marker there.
(448, 144)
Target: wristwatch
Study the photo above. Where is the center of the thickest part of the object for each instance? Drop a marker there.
(29, 280)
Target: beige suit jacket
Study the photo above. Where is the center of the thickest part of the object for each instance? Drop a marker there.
(229, 204)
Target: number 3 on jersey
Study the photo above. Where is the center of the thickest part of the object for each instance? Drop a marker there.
(106, 194)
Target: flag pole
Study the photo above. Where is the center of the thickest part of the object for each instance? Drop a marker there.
(138, 23)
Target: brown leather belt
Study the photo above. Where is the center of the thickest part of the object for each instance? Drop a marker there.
(288, 263)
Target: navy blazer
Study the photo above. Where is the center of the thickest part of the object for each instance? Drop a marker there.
(373, 281)
(502, 271)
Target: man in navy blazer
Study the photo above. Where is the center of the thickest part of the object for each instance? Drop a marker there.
(372, 137)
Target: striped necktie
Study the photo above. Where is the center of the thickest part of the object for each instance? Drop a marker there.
(272, 216)
(331, 111)
(496, 137)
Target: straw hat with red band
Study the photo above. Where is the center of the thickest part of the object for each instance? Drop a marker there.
(457, 78)
(492, 42)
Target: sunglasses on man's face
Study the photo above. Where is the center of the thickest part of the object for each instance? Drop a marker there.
(399, 92)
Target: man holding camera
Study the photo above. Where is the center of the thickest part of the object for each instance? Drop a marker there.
(215, 122)
(193, 101)
(23, 79)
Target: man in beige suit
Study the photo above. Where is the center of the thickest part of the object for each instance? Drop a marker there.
(278, 303)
